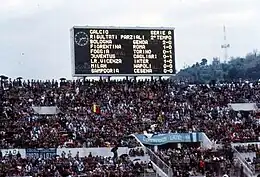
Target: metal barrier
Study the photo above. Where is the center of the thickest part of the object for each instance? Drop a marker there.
(161, 164)
(156, 160)
(151, 175)
(249, 170)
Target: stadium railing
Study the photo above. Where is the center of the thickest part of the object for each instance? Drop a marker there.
(248, 170)
(161, 164)
(163, 169)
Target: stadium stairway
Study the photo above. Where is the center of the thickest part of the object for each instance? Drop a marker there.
(162, 169)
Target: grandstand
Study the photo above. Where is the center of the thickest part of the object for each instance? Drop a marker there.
(158, 115)
(127, 128)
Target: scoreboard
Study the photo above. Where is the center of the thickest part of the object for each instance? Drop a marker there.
(113, 51)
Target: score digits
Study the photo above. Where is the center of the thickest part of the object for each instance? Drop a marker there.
(124, 51)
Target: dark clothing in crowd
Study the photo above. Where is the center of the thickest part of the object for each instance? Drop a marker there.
(124, 108)
(64, 167)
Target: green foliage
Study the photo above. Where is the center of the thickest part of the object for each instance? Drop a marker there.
(247, 68)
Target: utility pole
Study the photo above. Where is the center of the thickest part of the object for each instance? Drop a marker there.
(225, 46)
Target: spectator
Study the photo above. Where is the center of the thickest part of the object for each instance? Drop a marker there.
(196, 161)
(125, 107)
(60, 166)
(136, 152)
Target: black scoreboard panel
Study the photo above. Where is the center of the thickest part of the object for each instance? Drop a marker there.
(106, 51)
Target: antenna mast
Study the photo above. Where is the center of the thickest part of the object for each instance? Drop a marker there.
(225, 46)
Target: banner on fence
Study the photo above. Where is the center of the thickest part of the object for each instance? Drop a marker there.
(160, 139)
(13, 152)
(41, 153)
(49, 153)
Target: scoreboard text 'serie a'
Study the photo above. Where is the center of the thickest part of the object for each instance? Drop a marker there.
(111, 51)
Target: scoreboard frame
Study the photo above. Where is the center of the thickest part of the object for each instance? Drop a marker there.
(73, 58)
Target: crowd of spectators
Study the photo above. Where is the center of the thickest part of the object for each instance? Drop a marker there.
(247, 148)
(89, 166)
(191, 161)
(126, 107)
(134, 152)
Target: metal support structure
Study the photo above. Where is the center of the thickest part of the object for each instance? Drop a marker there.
(225, 46)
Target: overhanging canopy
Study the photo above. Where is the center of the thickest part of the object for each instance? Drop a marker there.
(46, 110)
(243, 106)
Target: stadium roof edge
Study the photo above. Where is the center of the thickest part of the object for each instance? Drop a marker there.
(124, 27)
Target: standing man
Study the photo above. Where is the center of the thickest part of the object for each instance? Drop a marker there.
(114, 150)
(241, 171)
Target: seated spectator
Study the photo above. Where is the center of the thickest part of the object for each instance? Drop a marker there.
(124, 108)
(195, 161)
(136, 152)
(63, 166)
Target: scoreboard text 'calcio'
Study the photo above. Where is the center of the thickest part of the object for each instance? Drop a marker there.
(112, 51)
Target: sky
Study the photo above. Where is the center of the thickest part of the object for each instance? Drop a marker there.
(35, 38)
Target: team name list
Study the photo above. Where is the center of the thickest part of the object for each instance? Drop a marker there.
(106, 52)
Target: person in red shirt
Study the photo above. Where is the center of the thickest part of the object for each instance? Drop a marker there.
(202, 166)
